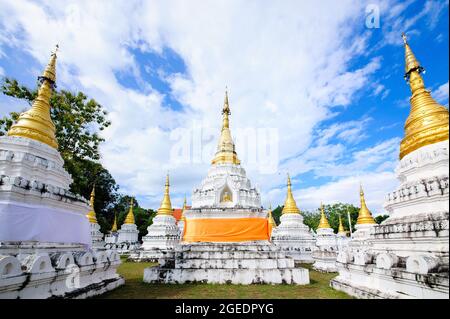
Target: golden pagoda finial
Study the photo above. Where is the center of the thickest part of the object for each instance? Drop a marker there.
(341, 229)
(290, 206)
(323, 218)
(271, 219)
(364, 216)
(166, 205)
(226, 152)
(130, 216)
(114, 226)
(183, 218)
(91, 215)
(36, 123)
(427, 122)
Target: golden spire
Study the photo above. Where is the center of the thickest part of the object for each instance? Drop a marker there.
(130, 216)
(91, 215)
(341, 229)
(166, 205)
(271, 219)
(226, 152)
(364, 216)
(114, 226)
(183, 218)
(323, 218)
(36, 123)
(427, 122)
(290, 206)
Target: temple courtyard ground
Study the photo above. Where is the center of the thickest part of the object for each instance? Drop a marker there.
(134, 288)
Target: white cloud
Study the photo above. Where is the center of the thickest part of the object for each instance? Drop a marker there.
(292, 58)
(441, 94)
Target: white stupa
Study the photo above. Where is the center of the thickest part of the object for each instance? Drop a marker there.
(162, 234)
(112, 237)
(407, 255)
(342, 239)
(96, 234)
(127, 240)
(226, 231)
(45, 237)
(326, 252)
(292, 235)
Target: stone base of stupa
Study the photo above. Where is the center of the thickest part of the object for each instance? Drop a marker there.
(227, 263)
(370, 282)
(295, 238)
(162, 236)
(51, 270)
(127, 240)
(97, 237)
(325, 261)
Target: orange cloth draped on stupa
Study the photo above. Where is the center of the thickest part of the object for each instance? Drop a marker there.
(225, 229)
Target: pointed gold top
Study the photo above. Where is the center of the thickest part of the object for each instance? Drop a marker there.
(427, 122)
(341, 229)
(36, 123)
(183, 218)
(226, 152)
(166, 205)
(290, 206)
(114, 226)
(323, 219)
(364, 216)
(271, 219)
(91, 215)
(130, 216)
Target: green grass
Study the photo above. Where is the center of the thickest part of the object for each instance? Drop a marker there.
(134, 288)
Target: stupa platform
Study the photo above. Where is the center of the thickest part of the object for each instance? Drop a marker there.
(258, 262)
(371, 282)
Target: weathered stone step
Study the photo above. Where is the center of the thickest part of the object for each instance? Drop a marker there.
(234, 263)
(299, 276)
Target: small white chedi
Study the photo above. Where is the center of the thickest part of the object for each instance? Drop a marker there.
(292, 235)
(112, 237)
(162, 235)
(326, 252)
(45, 236)
(407, 255)
(226, 231)
(96, 234)
(127, 239)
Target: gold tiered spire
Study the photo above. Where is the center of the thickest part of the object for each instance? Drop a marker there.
(271, 219)
(166, 205)
(183, 218)
(226, 152)
(114, 226)
(290, 206)
(130, 216)
(91, 215)
(341, 229)
(427, 122)
(364, 216)
(323, 218)
(36, 123)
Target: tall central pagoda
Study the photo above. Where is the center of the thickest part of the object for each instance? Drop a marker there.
(226, 237)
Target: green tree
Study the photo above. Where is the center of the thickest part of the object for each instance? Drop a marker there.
(380, 218)
(276, 214)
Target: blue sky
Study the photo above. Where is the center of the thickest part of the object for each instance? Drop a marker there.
(330, 88)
